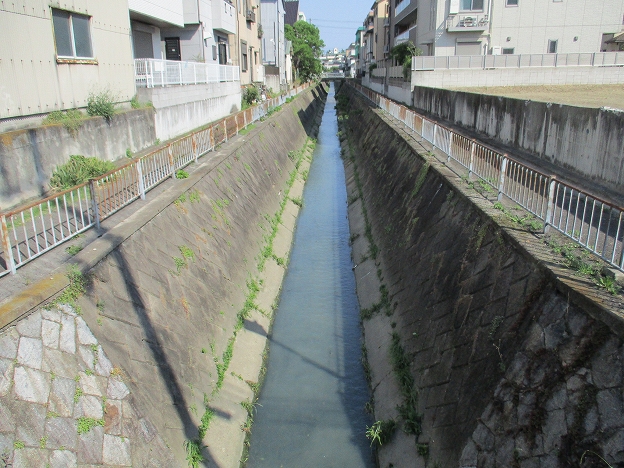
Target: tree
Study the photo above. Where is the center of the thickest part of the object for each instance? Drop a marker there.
(306, 49)
(403, 54)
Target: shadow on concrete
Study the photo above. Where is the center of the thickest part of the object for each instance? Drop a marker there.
(162, 364)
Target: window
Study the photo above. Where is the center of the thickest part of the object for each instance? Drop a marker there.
(552, 47)
(243, 56)
(71, 34)
(508, 51)
(511, 2)
(472, 4)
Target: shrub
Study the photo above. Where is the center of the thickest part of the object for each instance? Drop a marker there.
(251, 94)
(102, 104)
(77, 170)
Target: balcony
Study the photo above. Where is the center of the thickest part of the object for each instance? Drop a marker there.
(150, 73)
(400, 7)
(386, 23)
(386, 49)
(224, 16)
(467, 22)
(403, 37)
(251, 16)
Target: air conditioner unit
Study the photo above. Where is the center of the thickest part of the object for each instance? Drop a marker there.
(497, 50)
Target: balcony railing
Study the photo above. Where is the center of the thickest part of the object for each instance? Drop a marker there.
(468, 22)
(251, 16)
(400, 7)
(453, 62)
(403, 37)
(150, 73)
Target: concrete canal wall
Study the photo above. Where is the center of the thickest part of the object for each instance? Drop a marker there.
(481, 346)
(177, 307)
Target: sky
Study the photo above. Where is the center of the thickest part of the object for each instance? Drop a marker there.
(336, 19)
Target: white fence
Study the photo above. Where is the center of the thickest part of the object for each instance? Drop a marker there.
(154, 72)
(454, 62)
(592, 222)
(30, 231)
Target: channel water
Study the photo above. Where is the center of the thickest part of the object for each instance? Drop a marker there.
(311, 407)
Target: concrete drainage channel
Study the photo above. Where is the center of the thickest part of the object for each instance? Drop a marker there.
(158, 359)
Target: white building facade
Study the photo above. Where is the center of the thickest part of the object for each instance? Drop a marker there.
(480, 27)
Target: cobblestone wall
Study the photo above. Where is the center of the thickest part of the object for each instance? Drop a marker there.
(512, 365)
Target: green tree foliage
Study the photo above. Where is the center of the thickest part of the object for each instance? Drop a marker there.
(307, 48)
(403, 54)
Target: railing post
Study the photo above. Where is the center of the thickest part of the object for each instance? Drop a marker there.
(94, 203)
(139, 166)
(550, 207)
(194, 142)
(180, 72)
(472, 153)
(6, 245)
(171, 165)
(450, 146)
(501, 178)
(225, 130)
(435, 132)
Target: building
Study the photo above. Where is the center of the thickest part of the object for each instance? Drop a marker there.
(376, 41)
(478, 27)
(273, 43)
(52, 58)
(248, 54)
(291, 11)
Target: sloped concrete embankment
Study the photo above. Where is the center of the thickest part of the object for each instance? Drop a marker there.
(173, 292)
(174, 319)
(479, 345)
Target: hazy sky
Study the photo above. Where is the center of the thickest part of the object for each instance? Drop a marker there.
(337, 19)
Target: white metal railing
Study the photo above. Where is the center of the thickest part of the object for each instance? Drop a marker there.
(592, 222)
(452, 62)
(149, 73)
(467, 22)
(29, 231)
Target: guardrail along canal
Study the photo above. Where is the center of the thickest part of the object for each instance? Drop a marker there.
(311, 407)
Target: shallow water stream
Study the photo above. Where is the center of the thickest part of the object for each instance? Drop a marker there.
(311, 408)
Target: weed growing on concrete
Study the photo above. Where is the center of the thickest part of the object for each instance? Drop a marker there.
(182, 174)
(52, 415)
(528, 221)
(18, 445)
(74, 249)
(576, 258)
(304, 174)
(77, 394)
(297, 201)
(102, 104)
(71, 119)
(85, 424)
(77, 287)
(408, 410)
(43, 442)
(381, 431)
(194, 454)
(128, 153)
(187, 252)
(423, 451)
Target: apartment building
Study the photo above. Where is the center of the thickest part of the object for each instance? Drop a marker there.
(248, 53)
(273, 42)
(52, 57)
(183, 30)
(477, 27)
